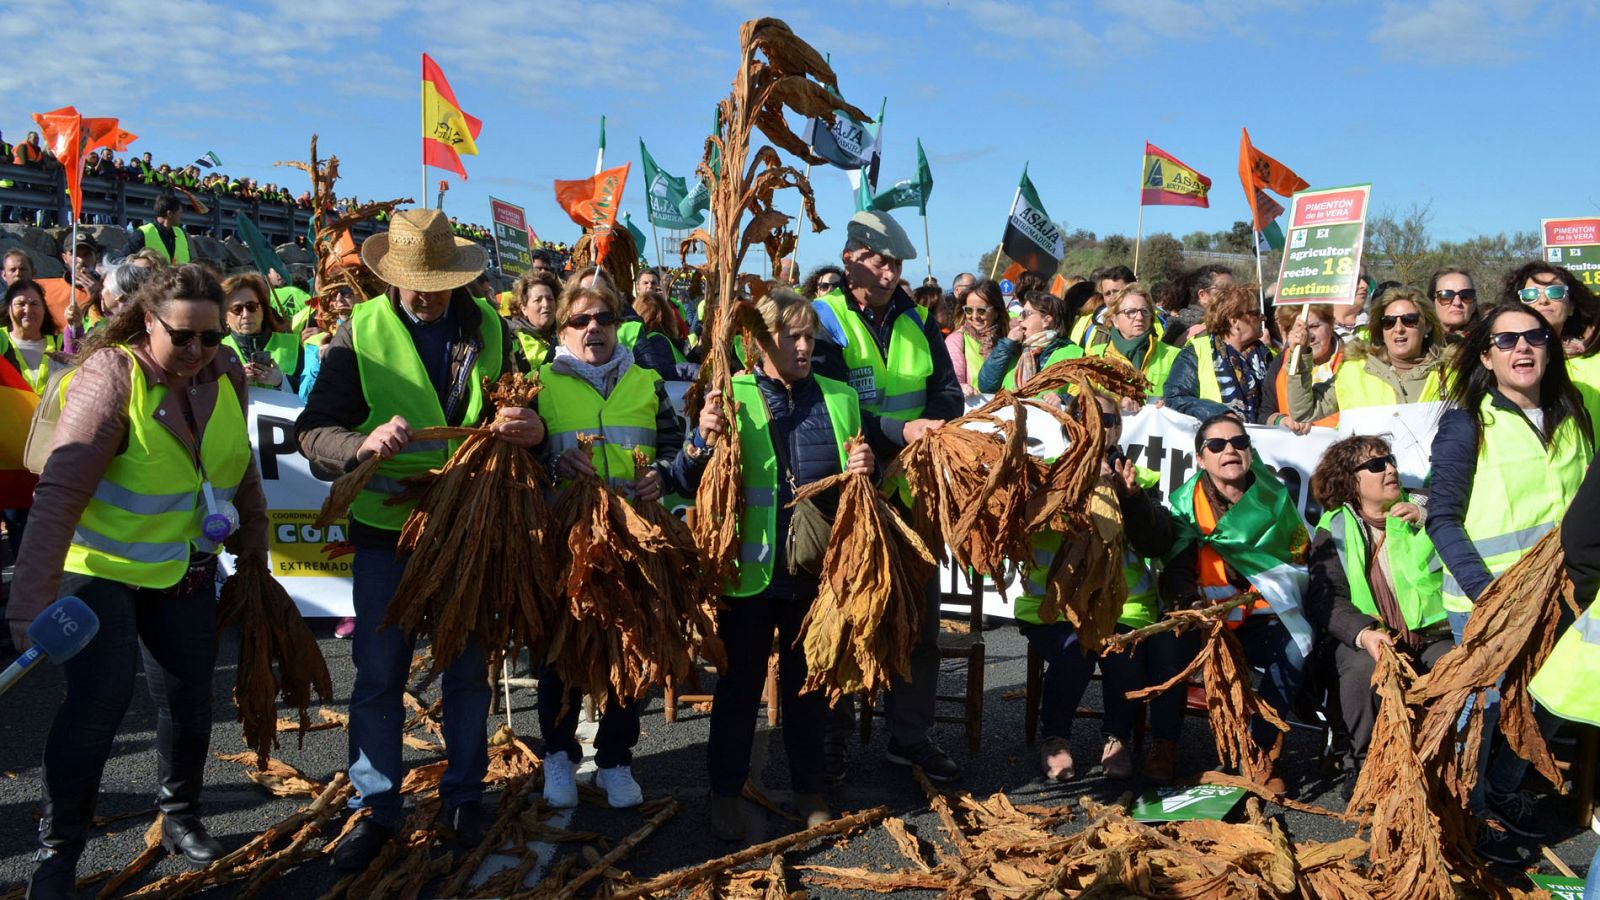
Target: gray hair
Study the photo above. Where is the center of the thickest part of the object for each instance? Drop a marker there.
(125, 278)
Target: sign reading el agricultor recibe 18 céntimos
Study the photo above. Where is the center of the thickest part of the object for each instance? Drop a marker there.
(1575, 244)
(511, 237)
(1322, 258)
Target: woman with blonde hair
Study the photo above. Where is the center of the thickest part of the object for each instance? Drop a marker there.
(1404, 362)
(1130, 312)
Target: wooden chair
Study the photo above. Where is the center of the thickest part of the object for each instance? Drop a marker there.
(968, 646)
(672, 699)
(1033, 697)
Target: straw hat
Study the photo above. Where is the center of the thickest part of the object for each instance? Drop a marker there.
(419, 253)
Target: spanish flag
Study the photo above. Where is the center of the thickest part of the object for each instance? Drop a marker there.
(1258, 172)
(593, 204)
(447, 132)
(1168, 182)
(17, 401)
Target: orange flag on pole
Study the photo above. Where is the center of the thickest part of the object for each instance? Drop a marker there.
(1257, 171)
(447, 131)
(70, 137)
(593, 203)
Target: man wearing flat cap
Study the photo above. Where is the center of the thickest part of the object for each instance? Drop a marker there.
(414, 358)
(874, 337)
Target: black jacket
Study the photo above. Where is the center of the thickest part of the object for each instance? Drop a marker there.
(1580, 537)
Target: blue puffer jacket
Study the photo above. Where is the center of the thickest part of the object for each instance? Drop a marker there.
(1182, 392)
(802, 431)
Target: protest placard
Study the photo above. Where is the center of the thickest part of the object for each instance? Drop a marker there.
(1575, 244)
(1322, 260)
(511, 237)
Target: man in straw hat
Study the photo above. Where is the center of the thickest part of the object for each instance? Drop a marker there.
(875, 338)
(414, 358)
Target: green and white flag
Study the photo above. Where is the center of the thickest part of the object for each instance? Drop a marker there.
(666, 195)
(639, 240)
(914, 192)
(1031, 238)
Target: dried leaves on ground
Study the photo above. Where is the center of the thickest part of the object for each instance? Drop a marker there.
(864, 622)
(278, 655)
(479, 567)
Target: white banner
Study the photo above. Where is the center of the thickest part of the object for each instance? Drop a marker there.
(1409, 429)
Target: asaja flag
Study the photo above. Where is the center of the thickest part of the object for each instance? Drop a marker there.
(639, 240)
(845, 143)
(909, 193)
(666, 195)
(447, 131)
(1168, 182)
(593, 204)
(1258, 172)
(1031, 238)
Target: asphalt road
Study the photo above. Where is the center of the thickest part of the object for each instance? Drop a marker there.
(670, 759)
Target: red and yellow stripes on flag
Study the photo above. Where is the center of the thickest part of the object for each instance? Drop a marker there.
(17, 401)
(447, 131)
(1259, 173)
(1168, 182)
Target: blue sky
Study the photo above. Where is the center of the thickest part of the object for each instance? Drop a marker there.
(1472, 106)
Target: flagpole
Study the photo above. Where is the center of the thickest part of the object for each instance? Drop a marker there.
(1261, 287)
(67, 340)
(927, 248)
(1014, 198)
(600, 154)
(424, 194)
(801, 230)
(655, 237)
(1138, 240)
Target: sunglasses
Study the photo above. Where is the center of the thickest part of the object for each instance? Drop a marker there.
(1463, 297)
(582, 320)
(1377, 465)
(1110, 420)
(975, 310)
(241, 308)
(1409, 320)
(1216, 445)
(185, 337)
(1550, 291)
(830, 284)
(1506, 340)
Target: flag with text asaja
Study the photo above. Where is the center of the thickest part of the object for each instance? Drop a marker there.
(1168, 182)
(1031, 238)
(447, 131)
(1258, 172)
(593, 204)
(666, 195)
(70, 137)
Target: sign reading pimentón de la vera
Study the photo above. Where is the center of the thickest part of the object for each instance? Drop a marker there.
(1322, 258)
(1575, 244)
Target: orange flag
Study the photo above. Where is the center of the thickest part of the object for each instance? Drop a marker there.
(593, 203)
(70, 137)
(447, 131)
(1258, 170)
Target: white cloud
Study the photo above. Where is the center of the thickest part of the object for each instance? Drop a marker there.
(1472, 33)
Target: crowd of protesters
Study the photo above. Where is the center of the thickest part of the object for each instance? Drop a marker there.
(854, 350)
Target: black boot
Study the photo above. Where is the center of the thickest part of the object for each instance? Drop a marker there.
(182, 832)
(187, 836)
(55, 865)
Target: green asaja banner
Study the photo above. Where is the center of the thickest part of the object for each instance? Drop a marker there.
(666, 195)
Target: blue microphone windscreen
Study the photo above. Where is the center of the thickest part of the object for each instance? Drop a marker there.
(65, 627)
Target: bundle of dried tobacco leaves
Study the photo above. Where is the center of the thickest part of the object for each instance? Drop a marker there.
(278, 655)
(1085, 580)
(864, 622)
(483, 517)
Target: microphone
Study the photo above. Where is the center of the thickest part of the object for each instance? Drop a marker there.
(65, 627)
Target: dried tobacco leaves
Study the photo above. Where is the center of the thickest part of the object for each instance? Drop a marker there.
(484, 514)
(278, 655)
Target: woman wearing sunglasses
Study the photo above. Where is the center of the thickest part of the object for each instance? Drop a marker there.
(594, 386)
(150, 472)
(1225, 369)
(1034, 340)
(1373, 582)
(1132, 338)
(1507, 461)
(1402, 364)
(1455, 299)
(1572, 311)
(983, 320)
(1237, 531)
(270, 352)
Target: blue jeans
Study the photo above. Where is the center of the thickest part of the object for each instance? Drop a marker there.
(1067, 671)
(377, 712)
(1591, 885)
(1267, 646)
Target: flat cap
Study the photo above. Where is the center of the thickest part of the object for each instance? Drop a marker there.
(880, 233)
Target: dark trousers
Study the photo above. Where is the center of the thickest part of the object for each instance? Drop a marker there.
(558, 724)
(746, 628)
(909, 703)
(1267, 646)
(176, 638)
(1358, 702)
(1067, 671)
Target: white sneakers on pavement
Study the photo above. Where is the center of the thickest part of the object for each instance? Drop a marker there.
(621, 790)
(560, 781)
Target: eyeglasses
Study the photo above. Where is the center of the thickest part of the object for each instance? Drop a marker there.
(1463, 297)
(1506, 340)
(1550, 291)
(1409, 320)
(1110, 420)
(185, 337)
(242, 308)
(582, 320)
(829, 284)
(975, 310)
(1376, 465)
(1237, 442)
(1140, 313)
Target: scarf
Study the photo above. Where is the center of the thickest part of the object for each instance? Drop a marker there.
(1132, 349)
(603, 378)
(1241, 377)
(985, 337)
(1032, 349)
(1380, 580)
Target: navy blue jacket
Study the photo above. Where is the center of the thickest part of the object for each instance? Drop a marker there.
(1182, 391)
(802, 430)
(1003, 357)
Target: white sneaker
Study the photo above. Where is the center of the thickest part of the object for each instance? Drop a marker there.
(560, 781)
(621, 790)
